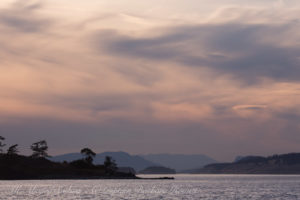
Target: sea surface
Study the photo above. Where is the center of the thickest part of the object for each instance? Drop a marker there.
(223, 187)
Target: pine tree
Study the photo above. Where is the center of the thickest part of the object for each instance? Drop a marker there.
(2, 143)
(89, 155)
(110, 165)
(39, 149)
(13, 150)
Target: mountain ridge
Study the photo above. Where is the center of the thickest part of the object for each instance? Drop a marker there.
(123, 159)
(179, 162)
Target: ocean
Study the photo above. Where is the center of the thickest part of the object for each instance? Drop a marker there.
(223, 187)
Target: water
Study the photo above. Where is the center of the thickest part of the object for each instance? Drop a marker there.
(223, 187)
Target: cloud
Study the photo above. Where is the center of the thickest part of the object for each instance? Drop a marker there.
(196, 83)
(247, 50)
(22, 17)
(249, 107)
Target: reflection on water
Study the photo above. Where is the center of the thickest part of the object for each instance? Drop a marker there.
(222, 187)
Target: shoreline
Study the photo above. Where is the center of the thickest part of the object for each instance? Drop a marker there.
(91, 178)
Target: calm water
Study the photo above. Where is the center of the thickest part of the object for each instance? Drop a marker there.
(222, 187)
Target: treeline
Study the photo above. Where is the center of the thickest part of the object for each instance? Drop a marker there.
(276, 164)
(109, 164)
(284, 159)
(40, 151)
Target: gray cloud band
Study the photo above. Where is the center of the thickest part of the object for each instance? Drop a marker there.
(241, 50)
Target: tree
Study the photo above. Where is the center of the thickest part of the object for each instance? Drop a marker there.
(110, 165)
(13, 150)
(39, 149)
(2, 143)
(89, 155)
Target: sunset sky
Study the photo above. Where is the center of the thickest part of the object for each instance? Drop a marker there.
(214, 77)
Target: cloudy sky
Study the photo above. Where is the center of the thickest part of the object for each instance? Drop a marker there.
(217, 77)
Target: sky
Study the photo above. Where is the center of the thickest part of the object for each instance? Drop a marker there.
(214, 77)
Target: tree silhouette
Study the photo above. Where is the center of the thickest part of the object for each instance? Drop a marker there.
(89, 155)
(39, 149)
(2, 143)
(110, 165)
(13, 150)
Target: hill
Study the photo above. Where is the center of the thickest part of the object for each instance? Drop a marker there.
(180, 162)
(277, 164)
(123, 159)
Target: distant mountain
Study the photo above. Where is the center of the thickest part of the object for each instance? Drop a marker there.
(157, 170)
(180, 162)
(122, 159)
(277, 164)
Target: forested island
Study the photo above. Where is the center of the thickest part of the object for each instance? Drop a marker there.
(276, 164)
(37, 166)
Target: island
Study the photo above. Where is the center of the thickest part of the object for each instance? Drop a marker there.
(37, 166)
(18, 167)
(276, 164)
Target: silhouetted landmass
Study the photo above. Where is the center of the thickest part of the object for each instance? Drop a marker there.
(16, 167)
(157, 170)
(277, 164)
(36, 166)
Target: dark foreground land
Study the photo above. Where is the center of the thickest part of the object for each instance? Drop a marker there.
(14, 167)
(18, 167)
